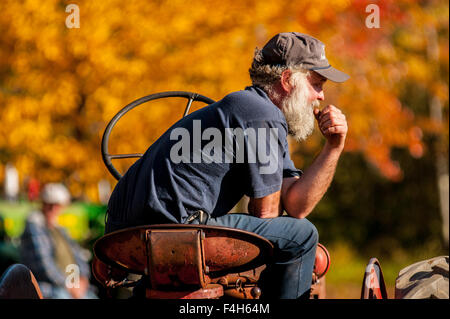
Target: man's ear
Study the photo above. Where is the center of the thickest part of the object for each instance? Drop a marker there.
(285, 76)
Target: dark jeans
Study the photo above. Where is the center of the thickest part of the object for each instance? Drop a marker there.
(295, 241)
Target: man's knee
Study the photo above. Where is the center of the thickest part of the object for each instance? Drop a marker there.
(314, 233)
(305, 231)
(305, 237)
(300, 235)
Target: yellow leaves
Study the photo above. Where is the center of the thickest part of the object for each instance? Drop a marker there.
(314, 14)
(25, 166)
(74, 222)
(418, 69)
(79, 49)
(414, 41)
(9, 225)
(66, 220)
(386, 52)
(92, 192)
(440, 91)
(51, 51)
(66, 94)
(76, 188)
(21, 64)
(61, 86)
(181, 24)
(63, 152)
(83, 69)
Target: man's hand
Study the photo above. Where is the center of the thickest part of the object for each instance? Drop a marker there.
(301, 195)
(333, 125)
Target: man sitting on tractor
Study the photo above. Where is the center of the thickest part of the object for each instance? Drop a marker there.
(200, 168)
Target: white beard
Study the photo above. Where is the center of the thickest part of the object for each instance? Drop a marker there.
(299, 113)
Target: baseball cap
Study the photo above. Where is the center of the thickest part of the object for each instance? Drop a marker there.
(293, 48)
(55, 193)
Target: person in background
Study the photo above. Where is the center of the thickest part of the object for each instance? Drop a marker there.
(48, 250)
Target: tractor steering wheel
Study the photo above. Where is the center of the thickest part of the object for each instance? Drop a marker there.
(105, 140)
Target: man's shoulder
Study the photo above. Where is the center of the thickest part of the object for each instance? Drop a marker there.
(35, 226)
(36, 218)
(250, 96)
(252, 104)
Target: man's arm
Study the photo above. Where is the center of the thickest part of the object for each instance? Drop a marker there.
(266, 207)
(299, 196)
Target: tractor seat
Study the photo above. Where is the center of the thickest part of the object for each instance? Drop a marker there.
(184, 261)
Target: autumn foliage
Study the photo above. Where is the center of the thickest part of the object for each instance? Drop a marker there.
(60, 86)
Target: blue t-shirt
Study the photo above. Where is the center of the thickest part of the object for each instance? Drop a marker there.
(207, 161)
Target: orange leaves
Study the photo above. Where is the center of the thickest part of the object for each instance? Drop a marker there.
(59, 87)
(383, 63)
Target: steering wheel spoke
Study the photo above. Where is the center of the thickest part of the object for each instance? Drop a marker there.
(120, 156)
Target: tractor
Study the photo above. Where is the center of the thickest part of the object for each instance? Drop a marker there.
(180, 261)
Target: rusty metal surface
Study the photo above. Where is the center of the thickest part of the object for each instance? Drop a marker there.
(100, 271)
(318, 288)
(225, 249)
(176, 258)
(251, 292)
(322, 261)
(226, 253)
(211, 291)
(108, 276)
(241, 285)
(124, 249)
(246, 277)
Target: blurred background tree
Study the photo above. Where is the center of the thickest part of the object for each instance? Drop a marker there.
(59, 87)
